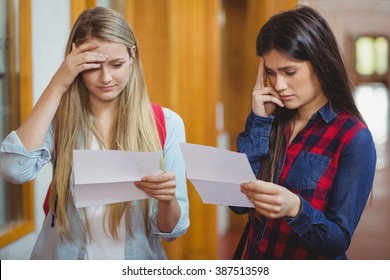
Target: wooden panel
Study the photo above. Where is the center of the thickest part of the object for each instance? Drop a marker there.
(179, 46)
(25, 88)
(78, 6)
(23, 99)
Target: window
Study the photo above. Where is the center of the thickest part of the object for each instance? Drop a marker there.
(16, 202)
(372, 56)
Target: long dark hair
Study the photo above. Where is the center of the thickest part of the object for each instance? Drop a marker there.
(303, 34)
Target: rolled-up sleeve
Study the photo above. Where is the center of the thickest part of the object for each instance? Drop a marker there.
(18, 165)
(174, 162)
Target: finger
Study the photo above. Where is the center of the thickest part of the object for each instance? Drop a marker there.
(268, 214)
(155, 192)
(155, 187)
(87, 66)
(261, 77)
(90, 57)
(160, 194)
(260, 187)
(266, 208)
(270, 97)
(161, 177)
(86, 47)
(269, 199)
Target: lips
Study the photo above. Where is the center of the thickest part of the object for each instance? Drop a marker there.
(106, 88)
(285, 97)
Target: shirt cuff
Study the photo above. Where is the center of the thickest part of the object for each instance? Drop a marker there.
(302, 223)
(260, 126)
(13, 145)
(179, 229)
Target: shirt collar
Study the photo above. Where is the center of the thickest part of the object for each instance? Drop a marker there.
(327, 112)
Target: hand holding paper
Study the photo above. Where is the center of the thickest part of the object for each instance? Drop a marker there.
(105, 176)
(217, 174)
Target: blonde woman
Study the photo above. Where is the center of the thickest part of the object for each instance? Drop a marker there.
(97, 100)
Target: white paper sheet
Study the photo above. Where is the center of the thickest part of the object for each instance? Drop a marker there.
(217, 174)
(106, 176)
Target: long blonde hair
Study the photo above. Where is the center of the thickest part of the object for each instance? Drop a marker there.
(135, 129)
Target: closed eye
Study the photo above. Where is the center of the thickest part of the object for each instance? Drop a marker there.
(117, 65)
(290, 73)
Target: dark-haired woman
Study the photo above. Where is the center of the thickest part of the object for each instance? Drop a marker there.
(307, 142)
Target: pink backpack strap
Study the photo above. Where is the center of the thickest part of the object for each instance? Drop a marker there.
(160, 122)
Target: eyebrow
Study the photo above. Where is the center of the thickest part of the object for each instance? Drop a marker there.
(119, 59)
(285, 68)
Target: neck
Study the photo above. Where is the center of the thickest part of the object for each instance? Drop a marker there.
(304, 113)
(105, 115)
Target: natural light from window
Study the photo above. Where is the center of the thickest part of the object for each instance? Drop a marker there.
(372, 55)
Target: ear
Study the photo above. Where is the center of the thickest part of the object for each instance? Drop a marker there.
(133, 51)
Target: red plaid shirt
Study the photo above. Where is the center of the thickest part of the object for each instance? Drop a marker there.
(330, 165)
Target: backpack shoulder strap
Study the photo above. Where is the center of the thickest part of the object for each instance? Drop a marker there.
(160, 122)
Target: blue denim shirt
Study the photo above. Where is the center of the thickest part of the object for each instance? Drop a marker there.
(326, 232)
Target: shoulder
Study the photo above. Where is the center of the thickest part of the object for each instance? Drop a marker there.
(175, 129)
(356, 134)
(348, 121)
(348, 126)
(172, 118)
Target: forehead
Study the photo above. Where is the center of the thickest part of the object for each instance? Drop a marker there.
(108, 47)
(275, 60)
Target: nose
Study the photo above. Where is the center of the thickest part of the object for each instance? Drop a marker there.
(105, 75)
(280, 83)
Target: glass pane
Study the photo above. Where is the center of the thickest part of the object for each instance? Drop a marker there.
(10, 195)
(382, 55)
(365, 56)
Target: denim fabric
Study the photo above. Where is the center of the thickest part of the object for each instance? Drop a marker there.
(330, 165)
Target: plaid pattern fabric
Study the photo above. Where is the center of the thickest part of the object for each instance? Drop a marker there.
(310, 165)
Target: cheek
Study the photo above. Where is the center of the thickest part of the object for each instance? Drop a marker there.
(88, 78)
(123, 76)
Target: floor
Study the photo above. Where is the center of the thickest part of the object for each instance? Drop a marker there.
(371, 240)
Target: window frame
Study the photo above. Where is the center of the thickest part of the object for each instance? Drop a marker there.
(26, 224)
(361, 78)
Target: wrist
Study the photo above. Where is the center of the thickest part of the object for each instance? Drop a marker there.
(296, 207)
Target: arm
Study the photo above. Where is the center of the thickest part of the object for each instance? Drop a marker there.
(18, 165)
(171, 219)
(254, 142)
(330, 233)
(34, 129)
(25, 151)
